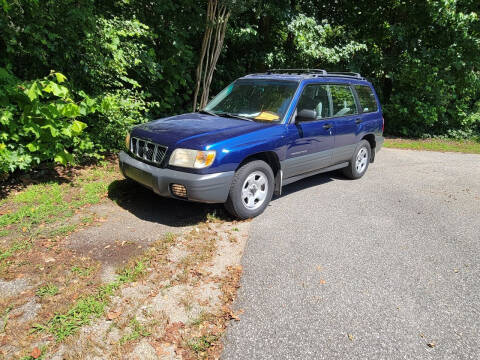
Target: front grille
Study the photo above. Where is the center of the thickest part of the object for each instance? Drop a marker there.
(147, 150)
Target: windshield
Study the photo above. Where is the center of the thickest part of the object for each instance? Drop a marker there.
(254, 99)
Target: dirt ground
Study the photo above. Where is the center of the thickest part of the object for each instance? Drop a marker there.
(160, 275)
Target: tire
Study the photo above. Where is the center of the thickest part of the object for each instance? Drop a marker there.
(251, 190)
(359, 163)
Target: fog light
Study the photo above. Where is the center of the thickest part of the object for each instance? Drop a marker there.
(178, 190)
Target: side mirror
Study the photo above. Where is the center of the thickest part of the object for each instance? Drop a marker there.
(306, 115)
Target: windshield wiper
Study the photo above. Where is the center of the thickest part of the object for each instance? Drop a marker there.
(207, 112)
(235, 116)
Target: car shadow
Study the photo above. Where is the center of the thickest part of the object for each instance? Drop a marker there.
(148, 206)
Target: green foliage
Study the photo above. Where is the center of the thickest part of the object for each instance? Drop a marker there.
(81, 271)
(47, 290)
(423, 57)
(137, 331)
(202, 343)
(39, 121)
(82, 313)
(318, 44)
(128, 62)
(90, 307)
(116, 114)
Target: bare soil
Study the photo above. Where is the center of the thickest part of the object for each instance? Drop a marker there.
(178, 309)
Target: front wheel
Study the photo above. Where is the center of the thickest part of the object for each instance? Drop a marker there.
(359, 163)
(251, 190)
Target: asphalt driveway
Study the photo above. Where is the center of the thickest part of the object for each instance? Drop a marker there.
(385, 267)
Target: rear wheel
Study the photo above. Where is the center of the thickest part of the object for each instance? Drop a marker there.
(359, 163)
(251, 190)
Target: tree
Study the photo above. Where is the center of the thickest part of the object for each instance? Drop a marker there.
(218, 14)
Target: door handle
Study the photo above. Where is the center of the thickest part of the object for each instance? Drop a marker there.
(327, 126)
(358, 121)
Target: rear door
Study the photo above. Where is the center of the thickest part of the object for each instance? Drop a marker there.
(310, 143)
(347, 119)
(371, 117)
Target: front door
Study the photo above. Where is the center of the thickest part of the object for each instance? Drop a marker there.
(310, 143)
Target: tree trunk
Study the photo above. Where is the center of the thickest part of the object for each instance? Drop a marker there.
(216, 26)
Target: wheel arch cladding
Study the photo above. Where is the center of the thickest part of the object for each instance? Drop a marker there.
(371, 140)
(270, 157)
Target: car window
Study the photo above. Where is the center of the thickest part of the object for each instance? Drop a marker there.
(343, 100)
(257, 99)
(367, 99)
(315, 97)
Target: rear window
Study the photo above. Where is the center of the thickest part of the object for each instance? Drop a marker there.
(368, 103)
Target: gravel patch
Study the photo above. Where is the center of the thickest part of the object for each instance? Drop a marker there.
(13, 287)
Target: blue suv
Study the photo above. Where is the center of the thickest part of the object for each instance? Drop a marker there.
(262, 132)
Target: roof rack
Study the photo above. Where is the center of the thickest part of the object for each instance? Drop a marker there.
(297, 71)
(353, 74)
(316, 73)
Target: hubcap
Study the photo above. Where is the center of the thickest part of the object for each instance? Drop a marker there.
(362, 160)
(254, 190)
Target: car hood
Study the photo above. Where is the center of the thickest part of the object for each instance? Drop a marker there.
(195, 130)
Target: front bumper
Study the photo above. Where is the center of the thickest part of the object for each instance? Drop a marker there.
(209, 188)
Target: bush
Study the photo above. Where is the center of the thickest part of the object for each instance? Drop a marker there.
(117, 113)
(40, 121)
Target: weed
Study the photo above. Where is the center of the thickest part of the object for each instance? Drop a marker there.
(138, 330)
(169, 237)
(81, 271)
(187, 301)
(51, 203)
(47, 290)
(213, 217)
(87, 220)
(5, 318)
(17, 246)
(63, 230)
(90, 307)
(42, 355)
(63, 325)
(204, 316)
(202, 343)
(130, 274)
(235, 229)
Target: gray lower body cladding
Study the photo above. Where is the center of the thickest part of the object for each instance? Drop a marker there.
(209, 188)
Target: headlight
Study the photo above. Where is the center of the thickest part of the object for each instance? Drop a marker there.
(192, 158)
(127, 141)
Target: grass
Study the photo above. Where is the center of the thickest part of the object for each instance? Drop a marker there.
(204, 316)
(88, 308)
(82, 313)
(443, 145)
(63, 230)
(138, 331)
(26, 214)
(5, 319)
(41, 357)
(81, 271)
(202, 343)
(47, 290)
(17, 246)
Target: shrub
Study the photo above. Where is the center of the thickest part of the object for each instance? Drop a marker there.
(40, 121)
